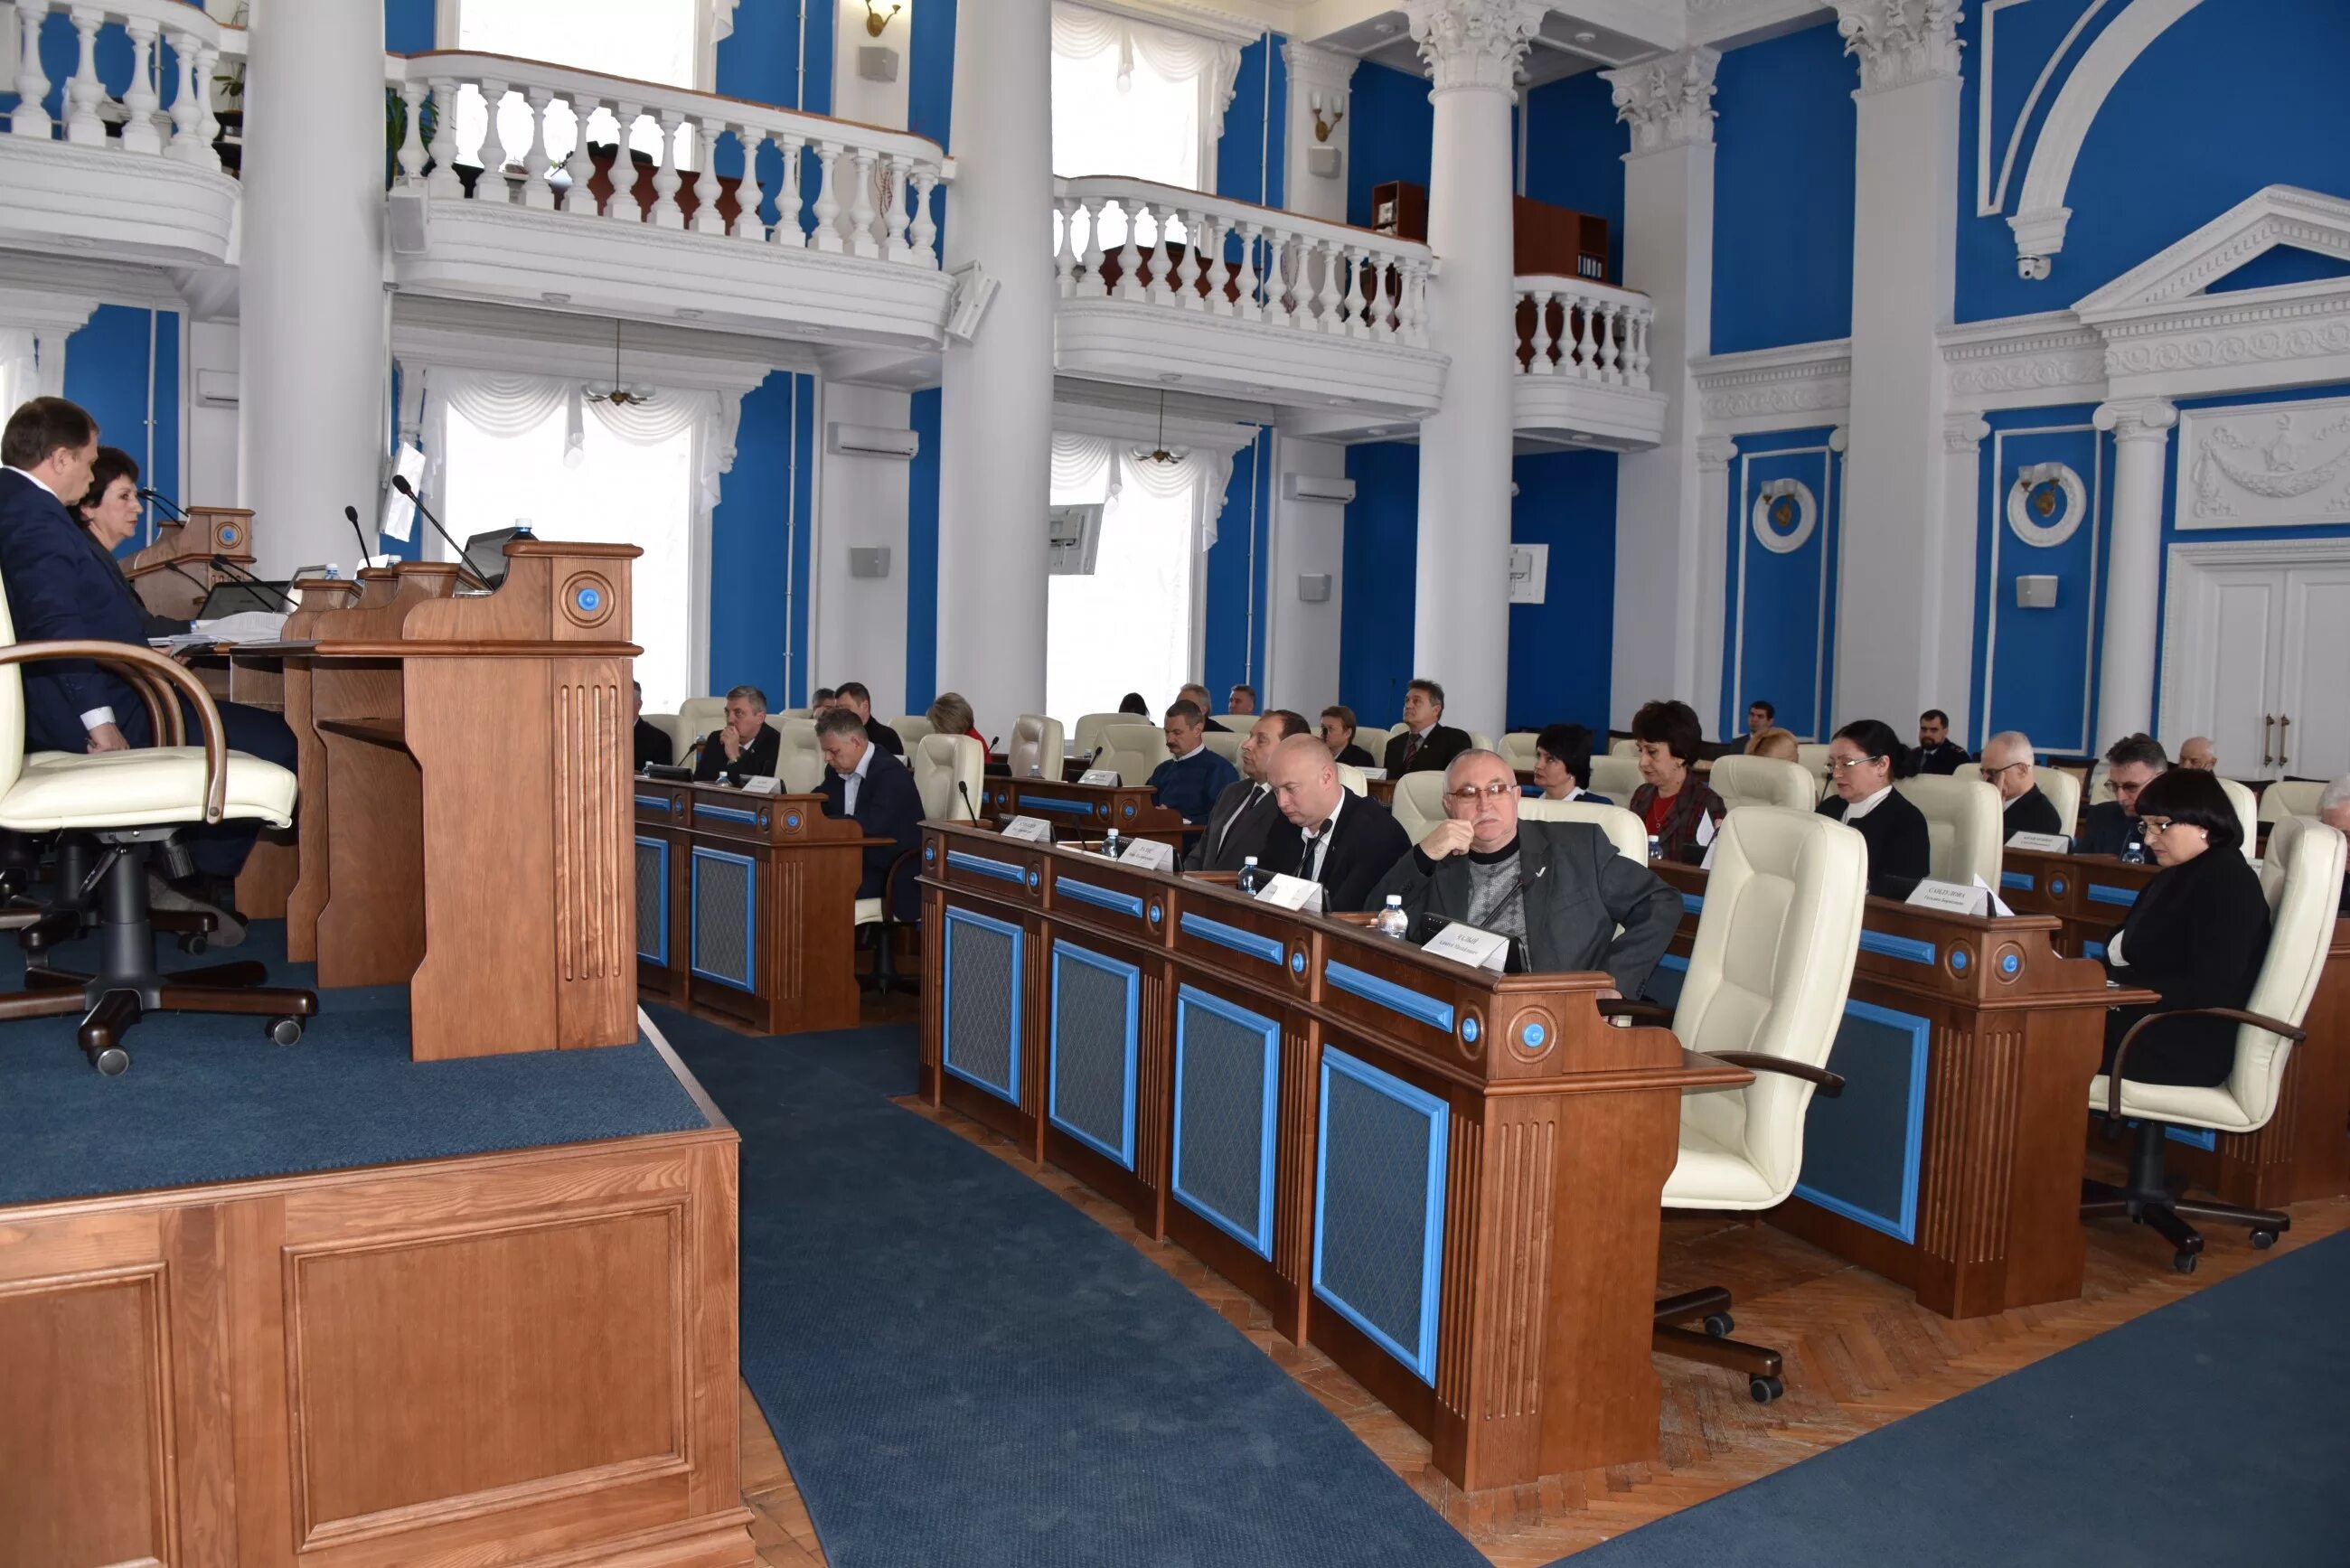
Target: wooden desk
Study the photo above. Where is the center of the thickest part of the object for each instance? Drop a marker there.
(2305, 1150)
(1446, 1178)
(464, 819)
(746, 906)
(173, 576)
(1082, 810)
(1951, 1163)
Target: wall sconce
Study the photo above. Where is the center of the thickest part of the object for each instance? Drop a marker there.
(1322, 128)
(875, 23)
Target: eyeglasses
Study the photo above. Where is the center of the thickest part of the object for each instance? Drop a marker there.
(1846, 764)
(1992, 774)
(1467, 794)
(2151, 825)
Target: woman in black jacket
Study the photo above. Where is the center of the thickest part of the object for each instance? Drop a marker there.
(2196, 934)
(1863, 760)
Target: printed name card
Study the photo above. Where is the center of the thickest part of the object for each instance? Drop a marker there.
(1468, 944)
(1147, 854)
(757, 785)
(2047, 843)
(1372, 773)
(1032, 829)
(1950, 897)
(1107, 776)
(1292, 893)
(1998, 905)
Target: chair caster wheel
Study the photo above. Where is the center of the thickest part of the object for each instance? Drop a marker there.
(286, 1030)
(1719, 1323)
(2185, 1261)
(1765, 1389)
(194, 943)
(2263, 1240)
(113, 1061)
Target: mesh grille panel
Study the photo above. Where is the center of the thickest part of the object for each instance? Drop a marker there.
(1220, 1151)
(1090, 1039)
(722, 936)
(983, 1018)
(652, 902)
(1373, 1222)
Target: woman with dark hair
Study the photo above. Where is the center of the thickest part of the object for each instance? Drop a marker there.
(2196, 936)
(1132, 703)
(1562, 764)
(108, 516)
(1680, 811)
(1864, 758)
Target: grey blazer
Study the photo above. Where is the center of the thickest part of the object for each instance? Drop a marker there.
(1579, 889)
(1218, 850)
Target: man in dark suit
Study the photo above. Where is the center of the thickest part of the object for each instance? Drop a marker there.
(853, 696)
(1936, 753)
(1428, 745)
(60, 589)
(2111, 826)
(1345, 843)
(1245, 814)
(2007, 764)
(1558, 891)
(744, 747)
(864, 782)
(1193, 778)
(1197, 695)
(1338, 734)
(653, 748)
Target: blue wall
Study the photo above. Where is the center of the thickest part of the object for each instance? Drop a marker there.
(929, 74)
(1575, 156)
(1394, 126)
(759, 540)
(1236, 569)
(2040, 665)
(1250, 156)
(109, 371)
(407, 26)
(1561, 650)
(1778, 608)
(1375, 616)
(2140, 184)
(922, 555)
(1783, 207)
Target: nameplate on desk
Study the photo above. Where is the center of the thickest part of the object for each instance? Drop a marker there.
(1107, 777)
(757, 785)
(1034, 829)
(1468, 944)
(2046, 843)
(1991, 894)
(1950, 897)
(1147, 854)
(1372, 773)
(1292, 893)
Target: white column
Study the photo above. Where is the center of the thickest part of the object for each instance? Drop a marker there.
(1319, 83)
(1903, 627)
(995, 442)
(856, 626)
(314, 329)
(1963, 433)
(2141, 431)
(1710, 604)
(1462, 633)
(1670, 567)
(1307, 540)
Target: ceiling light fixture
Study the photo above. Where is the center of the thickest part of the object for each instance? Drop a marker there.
(619, 394)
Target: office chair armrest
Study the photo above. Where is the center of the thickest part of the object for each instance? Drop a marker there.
(2121, 1051)
(1826, 1082)
(167, 672)
(890, 880)
(1640, 1011)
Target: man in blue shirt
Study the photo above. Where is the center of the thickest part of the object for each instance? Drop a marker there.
(1192, 776)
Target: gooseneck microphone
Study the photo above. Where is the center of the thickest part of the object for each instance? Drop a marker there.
(223, 563)
(964, 790)
(158, 496)
(400, 482)
(351, 514)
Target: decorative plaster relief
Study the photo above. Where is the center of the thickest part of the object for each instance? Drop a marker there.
(2046, 504)
(2265, 465)
(1475, 43)
(1785, 514)
(1669, 102)
(1758, 388)
(1900, 42)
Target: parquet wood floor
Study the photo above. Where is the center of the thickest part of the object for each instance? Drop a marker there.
(1859, 1353)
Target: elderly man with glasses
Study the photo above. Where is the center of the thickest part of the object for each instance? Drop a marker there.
(2007, 766)
(1558, 891)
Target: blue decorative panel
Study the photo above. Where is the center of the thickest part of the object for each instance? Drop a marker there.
(1907, 949)
(2043, 504)
(1101, 897)
(1097, 1031)
(2107, 893)
(979, 1002)
(1561, 651)
(726, 910)
(1001, 870)
(1784, 191)
(1786, 503)
(1378, 1207)
(2020, 881)
(1227, 1091)
(1232, 937)
(652, 902)
(1861, 1149)
(1395, 998)
(724, 813)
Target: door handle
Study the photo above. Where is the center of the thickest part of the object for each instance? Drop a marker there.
(2267, 722)
(2284, 733)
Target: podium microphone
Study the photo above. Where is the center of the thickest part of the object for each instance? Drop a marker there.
(352, 514)
(400, 482)
(223, 563)
(158, 496)
(964, 790)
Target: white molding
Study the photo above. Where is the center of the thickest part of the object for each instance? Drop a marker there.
(1669, 103)
(1900, 43)
(1769, 388)
(2024, 361)
(2221, 473)
(1474, 45)
(2272, 216)
(2188, 579)
(511, 340)
(2097, 543)
(1991, 199)
(2046, 536)
(1136, 343)
(1109, 422)
(2041, 215)
(102, 203)
(1185, 17)
(1807, 514)
(1620, 419)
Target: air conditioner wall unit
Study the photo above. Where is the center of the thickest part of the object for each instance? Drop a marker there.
(871, 441)
(1316, 487)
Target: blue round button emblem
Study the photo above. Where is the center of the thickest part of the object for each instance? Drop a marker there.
(589, 598)
(1298, 963)
(1536, 1034)
(1958, 962)
(791, 820)
(1032, 875)
(929, 853)
(1154, 914)
(228, 536)
(1129, 810)
(2008, 963)
(1469, 1030)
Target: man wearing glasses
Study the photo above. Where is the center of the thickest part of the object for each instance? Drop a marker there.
(2007, 764)
(1558, 891)
(2111, 826)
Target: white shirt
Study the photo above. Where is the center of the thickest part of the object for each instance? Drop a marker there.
(1574, 791)
(1861, 808)
(96, 716)
(1317, 845)
(853, 779)
(1187, 756)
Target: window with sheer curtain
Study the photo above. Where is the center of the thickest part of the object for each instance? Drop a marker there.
(639, 40)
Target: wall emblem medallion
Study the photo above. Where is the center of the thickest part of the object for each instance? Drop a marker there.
(1785, 513)
(2046, 504)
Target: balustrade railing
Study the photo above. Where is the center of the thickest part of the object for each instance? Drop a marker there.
(1117, 238)
(165, 109)
(1583, 331)
(835, 187)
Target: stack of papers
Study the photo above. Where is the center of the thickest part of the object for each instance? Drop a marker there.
(247, 626)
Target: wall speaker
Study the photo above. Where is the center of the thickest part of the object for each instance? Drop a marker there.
(408, 217)
(869, 561)
(877, 63)
(1322, 162)
(1314, 588)
(2035, 593)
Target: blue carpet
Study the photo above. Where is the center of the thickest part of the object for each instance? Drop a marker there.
(210, 1099)
(963, 1369)
(2207, 1432)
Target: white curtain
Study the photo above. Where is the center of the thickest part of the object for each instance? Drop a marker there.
(508, 405)
(1146, 101)
(1093, 468)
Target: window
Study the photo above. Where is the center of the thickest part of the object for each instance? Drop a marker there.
(1127, 628)
(638, 40)
(1135, 100)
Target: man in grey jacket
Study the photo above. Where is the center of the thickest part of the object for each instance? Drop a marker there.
(1559, 890)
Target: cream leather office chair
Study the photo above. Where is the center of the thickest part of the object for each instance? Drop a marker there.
(1742, 780)
(799, 756)
(1419, 804)
(1086, 736)
(1352, 780)
(681, 735)
(948, 773)
(1481, 740)
(1615, 777)
(1226, 744)
(1624, 830)
(2064, 792)
(1768, 975)
(129, 802)
(2248, 816)
(1035, 748)
(2302, 875)
(1517, 748)
(911, 727)
(1813, 758)
(1136, 749)
(2290, 798)
(1238, 724)
(1963, 821)
(700, 715)
(1624, 746)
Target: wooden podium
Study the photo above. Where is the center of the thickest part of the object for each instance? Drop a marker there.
(464, 820)
(173, 575)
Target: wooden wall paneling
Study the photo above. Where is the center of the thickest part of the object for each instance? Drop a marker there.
(196, 1249)
(371, 928)
(313, 862)
(255, 1230)
(809, 872)
(595, 903)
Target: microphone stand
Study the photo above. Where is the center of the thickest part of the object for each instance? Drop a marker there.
(400, 482)
(351, 516)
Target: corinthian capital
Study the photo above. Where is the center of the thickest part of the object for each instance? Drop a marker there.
(1900, 42)
(1669, 102)
(1473, 43)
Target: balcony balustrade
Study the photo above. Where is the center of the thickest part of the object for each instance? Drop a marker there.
(1583, 364)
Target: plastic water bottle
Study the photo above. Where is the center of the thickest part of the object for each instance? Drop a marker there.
(1655, 847)
(2134, 852)
(1249, 880)
(1112, 846)
(1392, 921)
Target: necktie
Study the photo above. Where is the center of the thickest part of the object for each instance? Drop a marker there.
(1411, 746)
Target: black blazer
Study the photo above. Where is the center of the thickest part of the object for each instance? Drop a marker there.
(758, 758)
(1435, 754)
(883, 736)
(1223, 848)
(1354, 757)
(1366, 843)
(2197, 935)
(1945, 759)
(653, 745)
(2106, 830)
(1578, 890)
(1900, 851)
(887, 806)
(62, 587)
(2029, 811)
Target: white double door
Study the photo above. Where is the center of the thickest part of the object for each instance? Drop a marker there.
(2257, 656)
